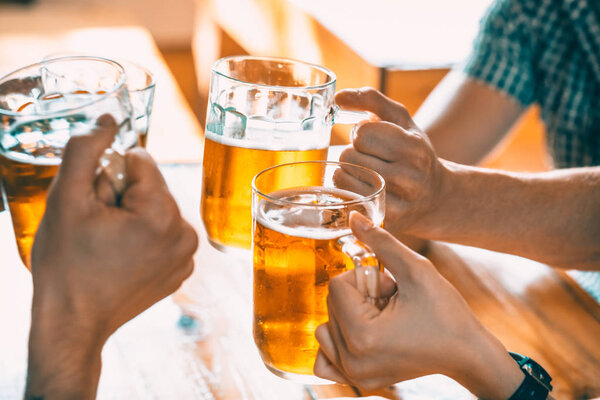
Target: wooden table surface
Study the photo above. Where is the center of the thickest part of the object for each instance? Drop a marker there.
(532, 308)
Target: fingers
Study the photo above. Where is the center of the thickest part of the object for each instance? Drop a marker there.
(369, 99)
(345, 180)
(147, 192)
(348, 306)
(396, 257)
(387, 284)
(327, 346)
(82, 154)
(141, 168)
(385, 140)
(105, 191)
(351, 156)
(327, 370)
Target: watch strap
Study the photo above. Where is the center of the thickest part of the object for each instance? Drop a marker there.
(536, 384)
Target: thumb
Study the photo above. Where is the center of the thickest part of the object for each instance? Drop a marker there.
(82, 154)
(396, 257)
(369, 99)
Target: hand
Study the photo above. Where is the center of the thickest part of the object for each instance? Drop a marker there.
(397, 149)
(95, 265)
(425, 328)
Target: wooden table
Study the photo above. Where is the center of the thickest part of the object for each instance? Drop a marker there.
(532, 308)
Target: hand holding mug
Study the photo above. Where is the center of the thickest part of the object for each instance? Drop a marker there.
(96, 265)
(425, 328)
(397, 149)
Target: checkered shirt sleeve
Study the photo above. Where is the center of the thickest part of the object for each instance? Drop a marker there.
(503, 51)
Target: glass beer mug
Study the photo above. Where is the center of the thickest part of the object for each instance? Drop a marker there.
(261, 112)
(41, 107)
(302, 239)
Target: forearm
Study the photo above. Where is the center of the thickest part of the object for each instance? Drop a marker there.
(465, 119)
(64, 358)
(551, 217)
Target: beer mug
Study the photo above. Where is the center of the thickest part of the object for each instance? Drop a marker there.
(41, 107)
(261, 112)
(140, 85)
(302, 239)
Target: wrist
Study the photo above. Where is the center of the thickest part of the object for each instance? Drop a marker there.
(64, 353)
(486, 368)
(433, 218)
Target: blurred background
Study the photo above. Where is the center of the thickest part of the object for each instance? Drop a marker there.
(401, 47)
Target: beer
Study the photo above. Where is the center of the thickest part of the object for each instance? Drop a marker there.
(26, 186)
(30, 154)
(261, 112)
(228, 168)
(295, 256)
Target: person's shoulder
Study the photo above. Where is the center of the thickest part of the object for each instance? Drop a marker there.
(514, 11)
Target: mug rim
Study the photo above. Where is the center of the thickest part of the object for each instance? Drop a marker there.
(362, 199)
(327, 71)
(116, 88)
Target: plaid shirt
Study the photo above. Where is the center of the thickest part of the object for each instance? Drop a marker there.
(548, 52)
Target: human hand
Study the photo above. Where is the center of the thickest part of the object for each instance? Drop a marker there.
(397, 149)
(96, 265)
(105, 263)
(425, 328)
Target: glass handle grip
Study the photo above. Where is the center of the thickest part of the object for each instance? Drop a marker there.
(112, 164)
(366, 267)
(351, 117)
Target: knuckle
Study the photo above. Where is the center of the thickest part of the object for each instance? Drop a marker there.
(368, 91)
(370, 384)
(362, 343)
(354, 368)
(335, 285)
(191, 238)
(347, 155)
(165, 218)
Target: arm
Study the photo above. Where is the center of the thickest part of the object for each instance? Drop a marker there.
(551, 217)
(465, 118)
(96, 265)
(425, 328)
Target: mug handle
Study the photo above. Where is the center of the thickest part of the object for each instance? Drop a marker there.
(112, 163)
(351, 117)
(366, 268)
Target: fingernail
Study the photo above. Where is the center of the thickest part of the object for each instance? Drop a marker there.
(360, 222)
(105, 120)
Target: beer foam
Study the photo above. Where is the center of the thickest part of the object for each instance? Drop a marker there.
(321, 223)
(317, 233)
(30, 159)
(287, 141)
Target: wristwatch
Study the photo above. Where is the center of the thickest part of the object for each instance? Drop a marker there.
(536, 384)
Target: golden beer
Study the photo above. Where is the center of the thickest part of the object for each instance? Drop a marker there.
(227, 171)
(296, 254)
(261, 112)
(26, 186)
